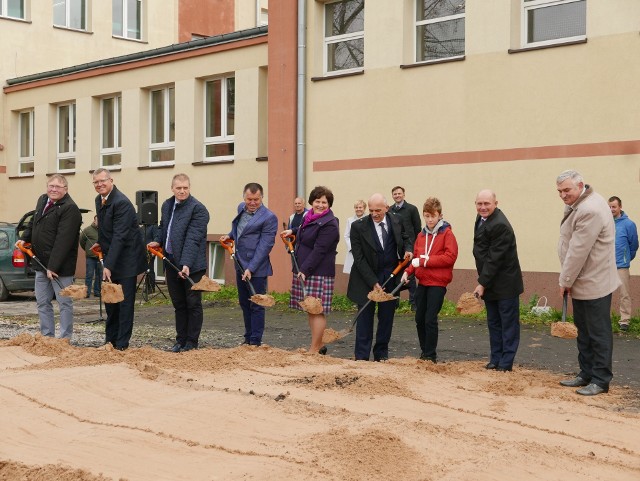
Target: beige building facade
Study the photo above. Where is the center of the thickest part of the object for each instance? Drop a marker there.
(443, 98)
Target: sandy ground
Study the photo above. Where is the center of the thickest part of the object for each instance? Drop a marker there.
(79, 413)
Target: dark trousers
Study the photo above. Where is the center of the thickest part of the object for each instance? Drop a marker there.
(412, 286)
(503, 320)
(429, 301)
(187, 305)
(252, 313)
(93, 275)
(595, 339)
(119, 325)
(364, 331)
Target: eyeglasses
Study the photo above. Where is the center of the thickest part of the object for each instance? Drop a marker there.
(56, 187)
(103, 181)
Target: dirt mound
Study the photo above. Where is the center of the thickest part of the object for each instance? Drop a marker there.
(10, 471)
(565, 330)
(469, 304)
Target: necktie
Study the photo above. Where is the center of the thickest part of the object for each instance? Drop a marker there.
(47, 207)
(104, 200)
(384, 233)
(168, 246)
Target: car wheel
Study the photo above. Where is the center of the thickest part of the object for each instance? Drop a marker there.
(4, 292)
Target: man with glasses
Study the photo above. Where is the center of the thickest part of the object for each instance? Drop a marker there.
(123, 254)
(53, 232)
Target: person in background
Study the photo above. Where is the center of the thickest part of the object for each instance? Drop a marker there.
(183, 236)
(254, 232)
(54, 232)
(412, 225)
(626, 248)
(93, 271)
(587, 252)
(499, 279)
(299, 210)
(359, 208)
(316, 242)
(434, 255)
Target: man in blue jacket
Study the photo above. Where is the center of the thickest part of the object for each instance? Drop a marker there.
(254, 232)
(183, 236)
(626, 248)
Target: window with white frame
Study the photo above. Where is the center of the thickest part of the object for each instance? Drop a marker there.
(162, 126)
(66, 152)
(344, 36)
(70, 14)
(439, 29)
(12, 9)
(545, 22)
(26, 137)
(110, 128)
(127, 18)
(219, 122)
(262, 12)
(216, 262)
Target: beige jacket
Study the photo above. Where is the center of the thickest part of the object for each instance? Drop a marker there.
(587, 248)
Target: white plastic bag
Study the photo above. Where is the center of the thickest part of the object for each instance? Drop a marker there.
(539, 310)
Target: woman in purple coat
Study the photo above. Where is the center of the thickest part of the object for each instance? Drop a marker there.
(316, 242)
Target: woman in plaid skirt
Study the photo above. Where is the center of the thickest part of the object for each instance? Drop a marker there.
(316, 242)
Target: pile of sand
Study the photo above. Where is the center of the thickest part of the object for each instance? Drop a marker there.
(265, 413)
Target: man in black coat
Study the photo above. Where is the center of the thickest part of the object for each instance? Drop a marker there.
(183, 236)
(378, 243)
(499, 279)
(412, 224)
(123, 254)
(53, 232)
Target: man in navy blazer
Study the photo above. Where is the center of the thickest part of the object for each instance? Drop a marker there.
(254, 232)
(378, 242)
(123, 254)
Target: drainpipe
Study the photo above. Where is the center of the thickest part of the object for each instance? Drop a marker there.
(300, 110)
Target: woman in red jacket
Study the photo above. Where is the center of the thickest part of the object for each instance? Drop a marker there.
(434, 254)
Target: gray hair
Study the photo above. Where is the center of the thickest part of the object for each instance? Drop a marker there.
(99, 171)
(574, 175)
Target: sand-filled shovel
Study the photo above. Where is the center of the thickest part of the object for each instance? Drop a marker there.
(73, 291)
(309, 304)
(204, 284)
(331, 335)
(110, 292)
(264, 300)
(564, 329)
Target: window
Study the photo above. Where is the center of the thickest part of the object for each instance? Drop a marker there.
(66, 154)
(439, 29)
(219, 121)
(127, 19)
(25, 127)
(163, 126)
(547, 22)
(216, 262)
(262, 13)
(70, 14)
(110, 128)
(12, 9)
(344, 36)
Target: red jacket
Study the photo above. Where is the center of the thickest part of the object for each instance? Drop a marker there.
(442, 257)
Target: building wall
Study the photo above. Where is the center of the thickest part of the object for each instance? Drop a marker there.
(509, 122)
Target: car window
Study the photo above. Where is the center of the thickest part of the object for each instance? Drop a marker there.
(4, 240)
(22, 225)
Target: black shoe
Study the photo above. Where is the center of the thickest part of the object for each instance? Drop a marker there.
(491, 366)
(381, 359)
(189, 347)
(575, 382)
(177, 347)
(122, 348)
(624, 326)
(592, 390)
(424, 357)
(323, 350)
(503, 369)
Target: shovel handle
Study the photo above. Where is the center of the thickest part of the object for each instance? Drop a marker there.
(158, 252)
(228, 245)
(97, 250)
(288, 241)
(401, 266)
(564, 306)
(26, 248)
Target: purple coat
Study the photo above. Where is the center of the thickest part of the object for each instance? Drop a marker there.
(316, 245)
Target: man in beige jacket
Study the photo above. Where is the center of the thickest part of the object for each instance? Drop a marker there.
(588, 274)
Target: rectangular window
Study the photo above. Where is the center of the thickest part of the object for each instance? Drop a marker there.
(219, 123)
(127, 18)
(66, 154)
(344, 36)
(439, 29)
(111, 126)
(12, 9)
(547, 22)
(216, 262)
(262, 13)
(162, 126)
(25, 161)
(70, 14)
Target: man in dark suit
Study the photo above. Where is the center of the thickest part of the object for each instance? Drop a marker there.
(378, 243)
(499, 279)
(412, 224)
(254, 233)
(123, 254)
(183, 235)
